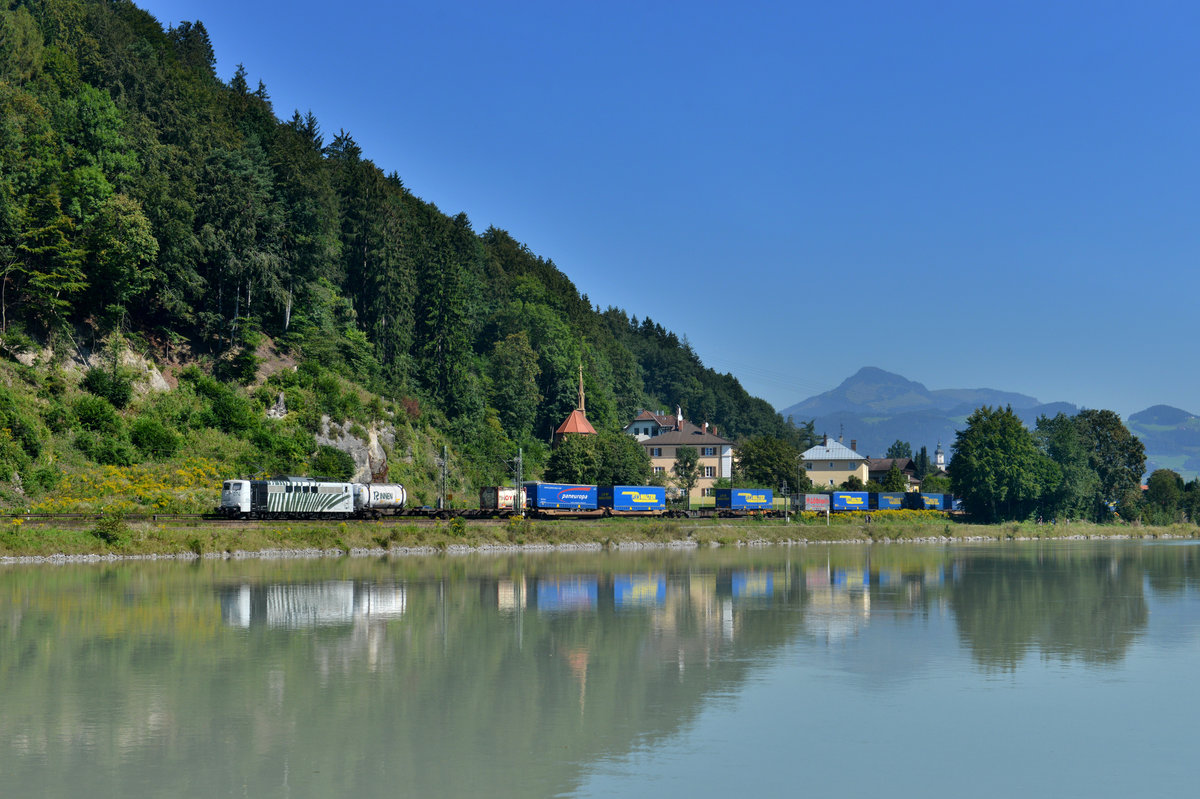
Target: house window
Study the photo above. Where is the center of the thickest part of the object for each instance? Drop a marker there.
(656, 452)
(658, 470)
(831, 464)
(710, 471)
(808, 467)
(707, 492)
(709, 451)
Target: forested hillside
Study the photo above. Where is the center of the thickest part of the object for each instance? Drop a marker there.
(145, 204)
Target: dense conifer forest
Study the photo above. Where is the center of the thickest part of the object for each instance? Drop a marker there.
(147, 206)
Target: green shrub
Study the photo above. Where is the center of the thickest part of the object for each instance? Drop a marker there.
(114, 385)
(12, 457)
(241, 367)
(153, 438)
(282, 448)
(14, 341)
(58, 417)
(54, 384)
(227, 410)
(43, 478)
(111, 450)
(328, 391)
(111, 529)
(97, 415)
(333, 462)
(180, 409)
(22, 427)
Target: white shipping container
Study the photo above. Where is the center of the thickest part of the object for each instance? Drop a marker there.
(501, 498)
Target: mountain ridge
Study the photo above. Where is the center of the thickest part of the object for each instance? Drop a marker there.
(874, 408)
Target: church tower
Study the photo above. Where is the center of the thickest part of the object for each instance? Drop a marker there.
(576, 422)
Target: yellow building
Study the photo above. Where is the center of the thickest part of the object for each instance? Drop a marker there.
(831, 463)
(662, 436)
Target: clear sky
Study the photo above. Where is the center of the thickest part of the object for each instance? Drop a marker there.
(997, 194)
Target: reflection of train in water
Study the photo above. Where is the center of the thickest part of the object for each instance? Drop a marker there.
(312, 498)
(303, 605)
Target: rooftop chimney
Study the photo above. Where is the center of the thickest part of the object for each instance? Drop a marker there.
(854, 444)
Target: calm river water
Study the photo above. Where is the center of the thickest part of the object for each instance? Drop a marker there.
(1061, 670)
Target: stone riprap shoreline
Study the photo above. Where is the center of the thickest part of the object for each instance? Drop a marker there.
(303, 553)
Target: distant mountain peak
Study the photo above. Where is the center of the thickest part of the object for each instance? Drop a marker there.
(876, 407)
(1162, 415)
(872, 390)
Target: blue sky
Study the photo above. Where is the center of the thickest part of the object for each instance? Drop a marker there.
(996, 195)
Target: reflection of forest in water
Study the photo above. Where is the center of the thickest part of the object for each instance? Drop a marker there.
(503, 674)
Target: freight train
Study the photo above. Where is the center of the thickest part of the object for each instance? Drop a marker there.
(840, 501)
(313, 498)
(309, 498)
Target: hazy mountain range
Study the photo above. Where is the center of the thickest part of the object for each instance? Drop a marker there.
(874, 408)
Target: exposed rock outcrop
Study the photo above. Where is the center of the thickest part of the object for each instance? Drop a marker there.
(370, 454)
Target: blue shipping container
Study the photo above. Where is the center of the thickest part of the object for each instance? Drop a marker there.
(633, 498)
(933, 501)
(851, 500)
(892, 501)
(745, 498)
(561, 496)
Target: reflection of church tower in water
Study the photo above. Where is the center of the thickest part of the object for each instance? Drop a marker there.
(576, 422)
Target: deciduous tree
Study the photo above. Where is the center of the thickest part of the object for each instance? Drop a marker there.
(768, 462)
(1164, 490)
(1071, 496)
(686, 470)
(997, 470)
(1116, 456)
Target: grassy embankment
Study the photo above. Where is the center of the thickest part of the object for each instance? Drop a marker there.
(113, 535)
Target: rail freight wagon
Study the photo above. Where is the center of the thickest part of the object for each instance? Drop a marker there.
(633, 499)
(744, 499)
(816, 502)
(560, 496)
(850, 500)
(933, 501)
(377, 499)
(501, 499)
(889, 501)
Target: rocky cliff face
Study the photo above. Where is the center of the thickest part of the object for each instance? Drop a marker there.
(369, 453)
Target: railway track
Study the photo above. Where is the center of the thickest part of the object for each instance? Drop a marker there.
(80, 519)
